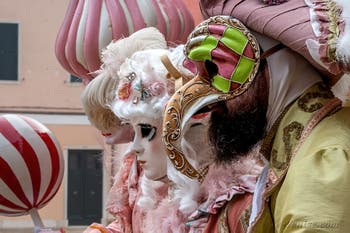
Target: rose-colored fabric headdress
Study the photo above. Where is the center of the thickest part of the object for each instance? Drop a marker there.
(319, 30)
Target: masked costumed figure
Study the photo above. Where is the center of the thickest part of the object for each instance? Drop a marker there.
(262, 94)
(142, 93)
(99, 96)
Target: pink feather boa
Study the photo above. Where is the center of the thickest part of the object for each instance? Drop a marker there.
(165, 218)
(222, 182)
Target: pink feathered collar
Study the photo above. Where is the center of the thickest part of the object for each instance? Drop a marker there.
(222, 183)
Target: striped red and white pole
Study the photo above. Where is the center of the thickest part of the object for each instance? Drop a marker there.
(31, 166)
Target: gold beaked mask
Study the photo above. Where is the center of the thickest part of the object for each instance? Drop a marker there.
(234, 51)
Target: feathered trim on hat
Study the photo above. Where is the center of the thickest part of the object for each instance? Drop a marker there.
(330, 20)
(331, 26)
(343, 46)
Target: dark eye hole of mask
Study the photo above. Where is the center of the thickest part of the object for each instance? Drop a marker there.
(195, 124)
(148, 131)
(211, 68)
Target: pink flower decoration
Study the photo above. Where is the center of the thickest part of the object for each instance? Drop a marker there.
(157, 88)
(124, 91)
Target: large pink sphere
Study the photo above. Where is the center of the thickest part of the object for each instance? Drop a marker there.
(31, 165)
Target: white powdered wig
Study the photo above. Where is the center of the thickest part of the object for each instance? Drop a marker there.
(343, 46)
(144, 88)
(117, 51)
(100, 92)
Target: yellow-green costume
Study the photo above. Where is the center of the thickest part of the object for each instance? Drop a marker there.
(308, 183)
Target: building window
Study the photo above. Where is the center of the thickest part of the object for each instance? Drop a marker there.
(9, 51)
(75, 79)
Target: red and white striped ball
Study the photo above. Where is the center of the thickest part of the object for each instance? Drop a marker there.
(31, 165)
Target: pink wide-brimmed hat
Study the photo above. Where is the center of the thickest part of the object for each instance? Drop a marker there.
(319, 30)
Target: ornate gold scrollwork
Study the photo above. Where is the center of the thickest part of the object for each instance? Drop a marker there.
(172, 129)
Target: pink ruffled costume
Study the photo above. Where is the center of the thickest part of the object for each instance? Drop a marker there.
(227, 191)
(123, 199)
